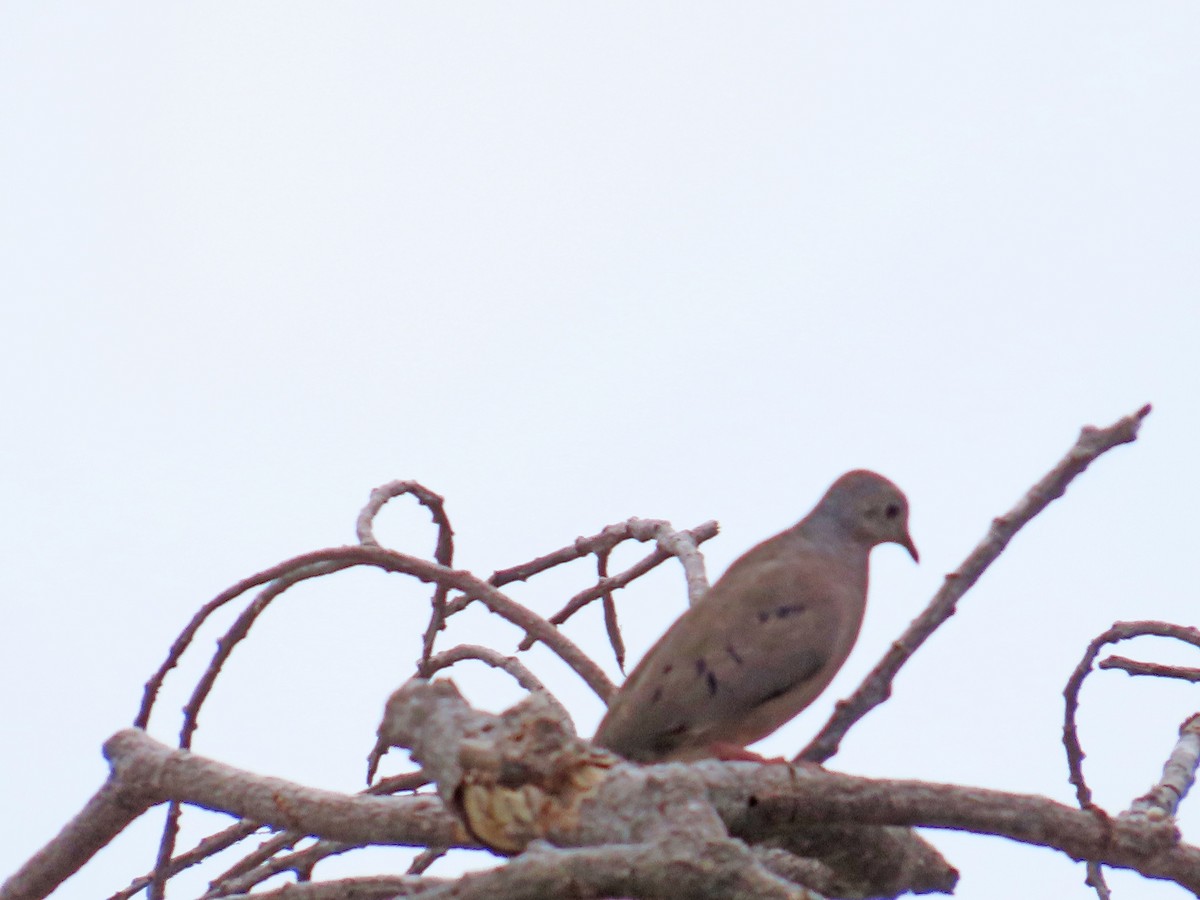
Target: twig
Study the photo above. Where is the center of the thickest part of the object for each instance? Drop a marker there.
(236, 633)
(260, 865)
(670, 543)
(302, 862)
(379, 887)
(1158, 670)
(425, 859)
(181, 643)
(610, 537)
(1179, 774)
(612, 626)
(209, 846)
(877, 686)
(443, 553)
(494, 658)
(1120, 631)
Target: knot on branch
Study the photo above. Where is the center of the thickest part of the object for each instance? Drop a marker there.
(512, 778)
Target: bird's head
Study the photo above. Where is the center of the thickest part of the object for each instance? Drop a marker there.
(873, 509)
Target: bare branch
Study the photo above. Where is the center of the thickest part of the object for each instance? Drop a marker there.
(877, 686)
(382, 887)
(522, 776)
(443, 553)
(107, 814)
(612, 627)
(181, 643)
(435, 503)
(755, 797)
(494, 658)
(666, 868)
(245, 877)
(1158, 670)
(320, 562)
(749, 798)
(236, 633)
(425, 859)
(1162, 801)
(681, 544)
(259, 865)
(210, 846)
(1120, 631)
(683, 547)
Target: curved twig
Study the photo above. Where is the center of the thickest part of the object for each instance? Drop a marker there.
(669, 543)
(1120, 631)
(443, 553)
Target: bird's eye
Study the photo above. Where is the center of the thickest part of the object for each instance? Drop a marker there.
(892, 511)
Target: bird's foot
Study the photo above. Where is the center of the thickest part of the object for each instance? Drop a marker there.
(727, 752)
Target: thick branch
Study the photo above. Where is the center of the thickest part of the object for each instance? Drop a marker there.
(754, 800)
(523, 776)
(105, 816)
(666, 869)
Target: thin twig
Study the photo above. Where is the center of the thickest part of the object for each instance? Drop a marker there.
(670, 543)
(612, 626)
(260, 864)
(236, 633)
(185, 638)
(877, 686)
(1120, 631)
(494, 658)
(443, 553)
(209, 846)
(1158, 670)
(378, 887)
(608, 538)
(426, 858)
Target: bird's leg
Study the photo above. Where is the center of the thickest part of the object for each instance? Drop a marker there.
(727, 751)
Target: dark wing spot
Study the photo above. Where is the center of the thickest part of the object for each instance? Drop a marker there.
(804, 668)
(667, 668)
(778, 692)
(733, 654)
(712, 683)
(794, 610)
(701, 667)
(657, 695)
(892, 510)
(763, 615)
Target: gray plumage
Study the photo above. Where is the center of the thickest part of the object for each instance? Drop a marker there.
(766, 639)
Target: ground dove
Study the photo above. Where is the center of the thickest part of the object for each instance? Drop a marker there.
(766, 639)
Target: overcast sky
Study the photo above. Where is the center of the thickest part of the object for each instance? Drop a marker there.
(566, 264)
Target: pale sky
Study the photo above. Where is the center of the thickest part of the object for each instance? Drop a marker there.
(567, 264)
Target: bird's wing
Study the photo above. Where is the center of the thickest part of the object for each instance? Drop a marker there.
(751, 640)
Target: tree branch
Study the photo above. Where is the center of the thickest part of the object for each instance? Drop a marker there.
(1158, 670)
(877, 686)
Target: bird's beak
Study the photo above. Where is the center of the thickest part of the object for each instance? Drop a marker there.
(908, 545)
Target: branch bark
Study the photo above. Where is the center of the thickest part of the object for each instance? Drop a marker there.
(877, 686)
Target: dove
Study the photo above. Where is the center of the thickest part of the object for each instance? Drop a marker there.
(766, 639)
